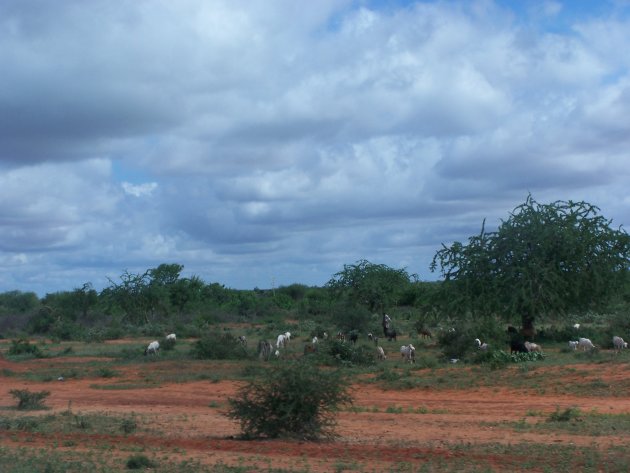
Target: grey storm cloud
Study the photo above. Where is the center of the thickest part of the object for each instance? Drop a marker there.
(251, 140)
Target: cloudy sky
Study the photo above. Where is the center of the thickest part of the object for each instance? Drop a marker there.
(261, 143)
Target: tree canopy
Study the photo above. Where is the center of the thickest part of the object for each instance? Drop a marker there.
(544, 259)
(375, 286)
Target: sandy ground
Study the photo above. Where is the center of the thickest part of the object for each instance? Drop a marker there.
(189, 421)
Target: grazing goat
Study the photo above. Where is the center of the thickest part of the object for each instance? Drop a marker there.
(264, 350)
(171, 336)
(242, 339)
(585, 344)
(619, 344)
(408, 353)
(287, 336)
(390, 334)
(533, 347)
(481, 346)
(576, 326)
(153, 348)
(282, 341)
(380, 353)
(314, 340)
(425, 333)
(370, 336)
(516, 346)
(573, 344)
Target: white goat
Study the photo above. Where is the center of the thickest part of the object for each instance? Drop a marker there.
(585, 344)
(242, 339)
(154, 348)
(282, 341)
(171, 336)
(287, 336)
(576, 326)
(408, 353)
(619, 343)
(314, 340)
(533, 347)
(481, 346)
(380, 353)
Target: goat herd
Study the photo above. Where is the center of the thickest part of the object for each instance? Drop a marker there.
(407, 352)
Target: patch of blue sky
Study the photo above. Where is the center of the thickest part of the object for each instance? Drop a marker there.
(123, 172)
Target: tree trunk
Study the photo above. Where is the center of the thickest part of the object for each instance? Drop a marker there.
(528, 331)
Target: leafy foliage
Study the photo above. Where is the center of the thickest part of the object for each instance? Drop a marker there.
(544, 259)
(28, 400)
(218, 346)
(375, 286)
(22, 346)
(297, 400)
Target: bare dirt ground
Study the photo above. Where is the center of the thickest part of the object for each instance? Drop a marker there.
(384, 429)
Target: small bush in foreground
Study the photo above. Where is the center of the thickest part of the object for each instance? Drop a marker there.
(28, 400)
(139, 462)
(297, 400)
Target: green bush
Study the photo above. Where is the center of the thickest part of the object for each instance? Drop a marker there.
(139, 462)
(28, 400)
(22, 346)
(297, 400)
(336, 352)
(218, 346)
(570, 413)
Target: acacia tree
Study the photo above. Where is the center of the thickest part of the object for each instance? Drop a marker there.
(544, 259)
(375, 286)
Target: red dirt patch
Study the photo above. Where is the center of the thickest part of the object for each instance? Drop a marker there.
(385, 427)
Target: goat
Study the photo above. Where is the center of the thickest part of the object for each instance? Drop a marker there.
(573, 344)
(281, 342)
(154, 348)
(481, 346)
(264, 350)
(375, 339)
(242, 339)
(390, 334)
(341, 336)
(619, 344)
(517, 346)
(585, 344)
(380, 353)
(370, 336)
(171, 336)
(576, 326)
(425, 333)
(354, 337)
(408, 353)
(314, 340)
(325, 335)
(533, 347)
(287, 336)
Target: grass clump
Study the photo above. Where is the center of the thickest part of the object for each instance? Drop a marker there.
(297, 400)
(568, 414)
(28, 400)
